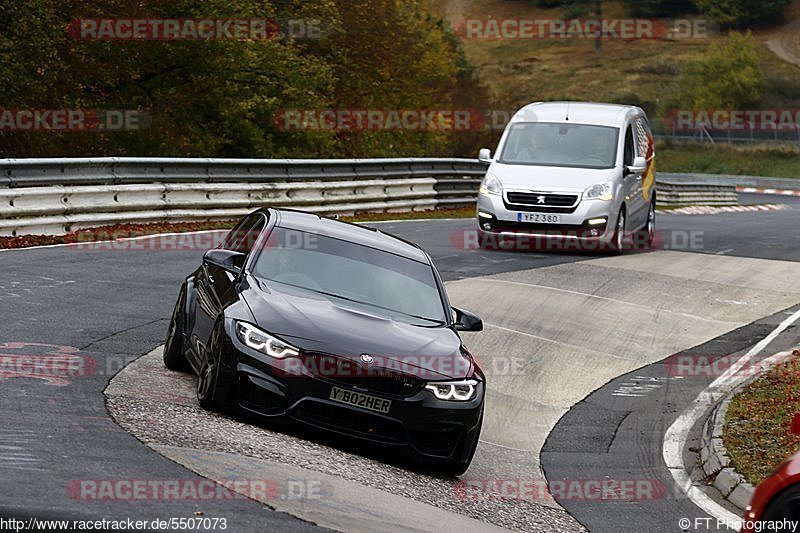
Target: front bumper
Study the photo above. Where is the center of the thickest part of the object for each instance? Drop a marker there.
(497, 217)
(267, 388)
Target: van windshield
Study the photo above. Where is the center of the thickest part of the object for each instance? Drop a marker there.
(561, 145)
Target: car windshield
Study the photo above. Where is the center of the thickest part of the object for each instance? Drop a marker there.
(349, 271)
(561, 145)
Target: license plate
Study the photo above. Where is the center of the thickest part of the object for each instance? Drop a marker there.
(540, 218)
(357, 399)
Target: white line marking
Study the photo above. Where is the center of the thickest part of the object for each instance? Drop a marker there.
(575, 346)
(505, 447)
(411, 220)
(623, 302)
(677, 434)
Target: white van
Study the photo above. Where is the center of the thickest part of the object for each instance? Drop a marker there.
(582, 171)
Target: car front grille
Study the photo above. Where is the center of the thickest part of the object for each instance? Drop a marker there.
(541, 199)
(345, 371)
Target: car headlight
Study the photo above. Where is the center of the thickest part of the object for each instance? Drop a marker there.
(599, 191)
(460, 391)
(491, 185)
(263, 342)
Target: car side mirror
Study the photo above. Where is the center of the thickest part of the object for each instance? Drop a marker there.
(638, 167)
(466, 321)
(227, 260)
(485, 155)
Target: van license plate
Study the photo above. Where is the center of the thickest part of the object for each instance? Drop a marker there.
(539, 218)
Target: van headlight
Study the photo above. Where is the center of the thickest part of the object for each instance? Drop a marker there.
(460, 391)
(491, 185)
(599, 191)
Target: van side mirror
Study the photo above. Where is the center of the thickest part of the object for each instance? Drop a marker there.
(466, 321)
(485, 155)
(638, 167)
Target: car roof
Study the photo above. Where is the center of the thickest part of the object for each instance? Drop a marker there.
(337, 229)
(614, 115)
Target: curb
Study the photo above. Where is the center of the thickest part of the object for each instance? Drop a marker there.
(715, 461)
(757, 183)
(762, 190)
(712, 209)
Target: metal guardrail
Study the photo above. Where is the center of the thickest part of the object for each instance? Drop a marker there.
(54, 196)
(130, 170)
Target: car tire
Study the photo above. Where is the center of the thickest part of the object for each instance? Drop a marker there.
(174, 357)
(209, 389)
(650, 225)
(207, 385)
(481, 238)
(618, 242)
(785, 505)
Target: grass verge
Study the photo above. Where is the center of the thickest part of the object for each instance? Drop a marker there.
(758, 422)
(121, 231)
(751, 160)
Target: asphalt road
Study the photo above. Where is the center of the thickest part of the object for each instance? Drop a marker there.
(112, 306)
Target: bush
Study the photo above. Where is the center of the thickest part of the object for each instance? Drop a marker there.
(743, 13)
(726, 76)
(659, 8)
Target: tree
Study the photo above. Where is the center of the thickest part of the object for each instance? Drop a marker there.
(727, 76)
(219, 98)
(742, 13)
(659, 8)
(206, 98)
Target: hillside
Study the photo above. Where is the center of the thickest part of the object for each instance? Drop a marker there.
(518, 71)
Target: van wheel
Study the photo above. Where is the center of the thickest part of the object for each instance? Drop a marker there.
(619, 232)
(651, 224)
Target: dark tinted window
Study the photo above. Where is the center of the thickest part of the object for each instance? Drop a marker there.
(342, 269)
(242, 238)
(629, 148)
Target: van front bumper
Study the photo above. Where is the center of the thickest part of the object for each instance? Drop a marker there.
(589, 221)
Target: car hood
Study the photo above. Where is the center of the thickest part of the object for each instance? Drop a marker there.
(320, 324)
(543, 178)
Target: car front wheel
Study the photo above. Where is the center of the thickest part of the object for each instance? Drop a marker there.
(785, 507)
(174, 358)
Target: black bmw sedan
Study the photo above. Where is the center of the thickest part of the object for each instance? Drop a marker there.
(335, 326)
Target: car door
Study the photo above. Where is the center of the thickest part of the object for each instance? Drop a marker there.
(632, 184)
(215, 286)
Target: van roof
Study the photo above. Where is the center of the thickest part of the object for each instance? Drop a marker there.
(578, 112)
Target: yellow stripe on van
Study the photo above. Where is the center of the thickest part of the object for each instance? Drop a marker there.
(649, 179)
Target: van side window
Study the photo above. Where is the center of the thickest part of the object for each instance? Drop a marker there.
(629, 148)
(644, 138)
